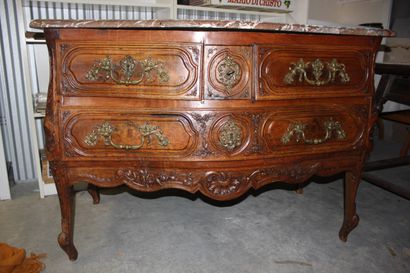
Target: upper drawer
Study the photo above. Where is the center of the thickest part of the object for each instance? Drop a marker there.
(300, 72)
(228, 72)
(141, 71)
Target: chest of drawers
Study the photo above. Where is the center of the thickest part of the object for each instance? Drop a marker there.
(210, 107)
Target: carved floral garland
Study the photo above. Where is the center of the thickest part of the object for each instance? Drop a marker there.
(215, 183)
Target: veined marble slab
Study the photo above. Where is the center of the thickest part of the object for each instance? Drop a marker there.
(210, 24)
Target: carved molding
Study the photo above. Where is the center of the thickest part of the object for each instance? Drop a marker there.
(203, 120)
(211, 51)
(68, 150)
(63, 48)
(195, 53)
(261, 87)
(221, 185)
(66, 114)
(146, 178)
(247, 52)
(65, 86)
(211, 93)
(194, 92)
(362, 111)
(256, 119)
(245, 94)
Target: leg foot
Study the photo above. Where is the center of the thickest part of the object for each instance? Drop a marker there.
(67, 246)
(351, 219)
(95, 193)
(347, 227)
(66, 197)
(299, 189)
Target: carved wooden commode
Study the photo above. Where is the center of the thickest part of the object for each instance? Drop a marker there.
(209, 106)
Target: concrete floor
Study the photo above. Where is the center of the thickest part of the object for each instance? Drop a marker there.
(274, 230)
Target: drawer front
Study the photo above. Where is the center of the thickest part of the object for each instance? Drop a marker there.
(141, 71)
(317, 129)
(306, 73)
(228, 72)
(98, 135)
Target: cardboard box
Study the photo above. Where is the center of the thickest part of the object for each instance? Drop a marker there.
(45, 169)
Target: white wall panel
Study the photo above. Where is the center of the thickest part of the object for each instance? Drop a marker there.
(4, 181)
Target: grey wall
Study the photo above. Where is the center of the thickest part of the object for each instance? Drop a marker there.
(400, 19)
(14, 117)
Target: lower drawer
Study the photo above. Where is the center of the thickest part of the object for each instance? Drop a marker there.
(238, 134)
(107, 135)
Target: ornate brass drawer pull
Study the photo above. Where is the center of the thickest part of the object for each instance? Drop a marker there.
(297, 129)
(130, 71)
(106, 130)
(229, 73)
(332, 69)
(230, 135)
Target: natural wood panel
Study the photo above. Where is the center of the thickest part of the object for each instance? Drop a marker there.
(228, 72)
(321, 128)
(123, 70)
(288, 72)
(97, 135)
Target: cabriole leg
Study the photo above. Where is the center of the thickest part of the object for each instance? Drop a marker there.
(351, 219)
(66, 196)
(94, 191)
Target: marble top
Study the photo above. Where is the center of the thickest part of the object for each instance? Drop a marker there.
(210, 24)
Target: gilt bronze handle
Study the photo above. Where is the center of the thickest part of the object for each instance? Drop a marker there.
(105, 130)
(297, 129)
(130, 71)
(230, 135)
(229, 73)
(323, 72)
